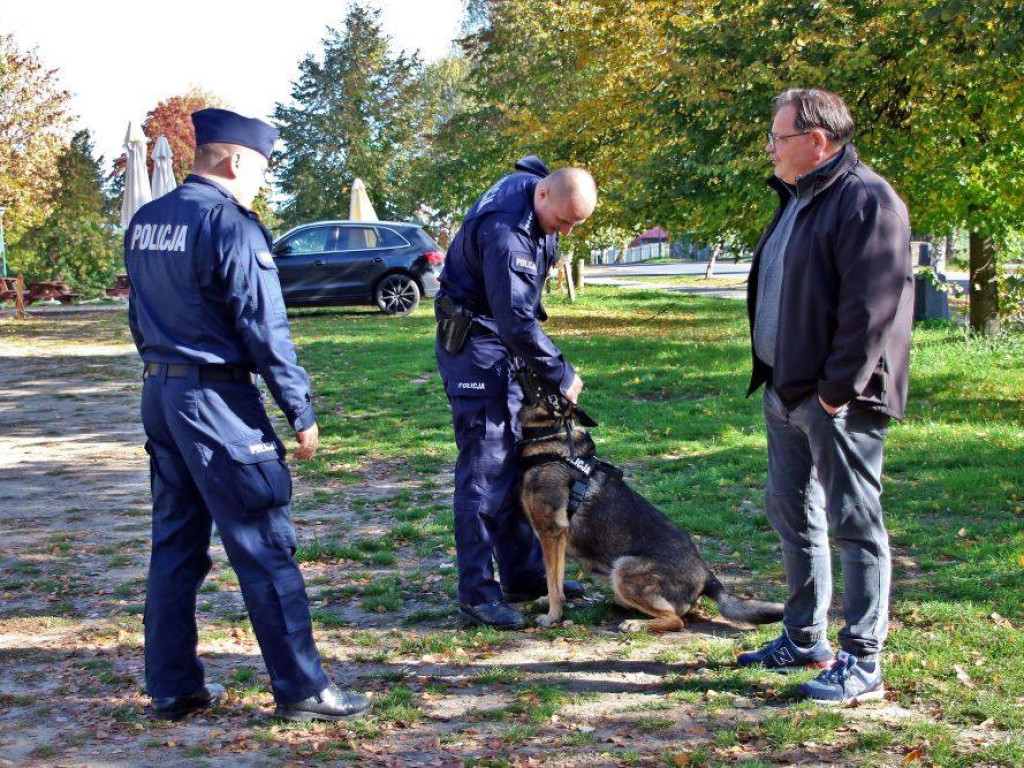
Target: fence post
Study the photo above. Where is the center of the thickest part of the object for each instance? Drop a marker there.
(567, 271)
(19, 296)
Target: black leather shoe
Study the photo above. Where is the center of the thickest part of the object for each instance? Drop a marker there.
(572, 590)
(330, 704)
(496, 614)
(177, 707)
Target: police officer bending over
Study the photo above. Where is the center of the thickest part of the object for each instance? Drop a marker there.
(488, 311)
(205, 310)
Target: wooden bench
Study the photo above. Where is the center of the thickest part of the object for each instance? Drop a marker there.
(120, 287)
(41, 290)
(13, 288)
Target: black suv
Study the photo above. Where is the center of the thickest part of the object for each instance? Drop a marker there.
(385, 263)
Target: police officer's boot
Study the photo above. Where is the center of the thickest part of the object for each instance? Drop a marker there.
(494, 614)
(177, 707)
(330, 704)
(570, 588)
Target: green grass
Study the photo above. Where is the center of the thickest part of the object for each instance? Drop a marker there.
(479, 638)
(499, 676)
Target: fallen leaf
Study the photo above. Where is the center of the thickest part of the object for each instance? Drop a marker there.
(681, 758)
(962, 676)
(999, 621)
(913, 756)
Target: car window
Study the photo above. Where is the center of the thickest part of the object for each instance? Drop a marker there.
(357, 238)
(312, 240)
(388, 238)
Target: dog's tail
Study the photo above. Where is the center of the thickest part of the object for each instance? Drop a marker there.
(740, 609)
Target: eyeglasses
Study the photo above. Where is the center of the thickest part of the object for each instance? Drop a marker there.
(772, 138)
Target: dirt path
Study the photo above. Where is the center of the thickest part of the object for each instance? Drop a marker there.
(376, 552)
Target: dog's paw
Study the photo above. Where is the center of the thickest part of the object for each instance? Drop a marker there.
(546, 621)
(633, 625)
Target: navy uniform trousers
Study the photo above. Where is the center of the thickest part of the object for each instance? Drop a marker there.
(489, 522)
(214, 458)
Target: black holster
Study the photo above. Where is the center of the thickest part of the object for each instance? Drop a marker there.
(453, 323)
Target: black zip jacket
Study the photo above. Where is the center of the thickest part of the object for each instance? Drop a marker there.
(847, 301)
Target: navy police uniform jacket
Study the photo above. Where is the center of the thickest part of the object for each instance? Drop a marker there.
(204, 260)
(496, 266)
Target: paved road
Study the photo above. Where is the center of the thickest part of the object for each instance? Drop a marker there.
(722, 269)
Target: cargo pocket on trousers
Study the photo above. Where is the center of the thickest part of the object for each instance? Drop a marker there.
(260, 477)
(165, 468)
(291, 594)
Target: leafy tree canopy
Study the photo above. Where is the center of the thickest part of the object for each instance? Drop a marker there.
(355, 113)
(34, 120)
(77, 241)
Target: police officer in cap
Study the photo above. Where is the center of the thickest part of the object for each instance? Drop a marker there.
(206, 312)
(489, 312)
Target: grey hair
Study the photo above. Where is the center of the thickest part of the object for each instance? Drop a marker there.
(818, 108)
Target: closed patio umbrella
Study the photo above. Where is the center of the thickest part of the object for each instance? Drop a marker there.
(360, 208)
(136, 184)
(163, 173)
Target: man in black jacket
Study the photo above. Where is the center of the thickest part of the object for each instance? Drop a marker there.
(830, 300)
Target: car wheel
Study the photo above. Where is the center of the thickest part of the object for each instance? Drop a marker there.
(397, 295)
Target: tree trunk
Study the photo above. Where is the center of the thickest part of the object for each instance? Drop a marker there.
(710, 271)
(984, 291)
(577, 273)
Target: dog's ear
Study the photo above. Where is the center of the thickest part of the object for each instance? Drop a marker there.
(582, 418)
(531, 383)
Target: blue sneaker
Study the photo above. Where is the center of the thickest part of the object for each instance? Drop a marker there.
(782, 655)
(845, 682)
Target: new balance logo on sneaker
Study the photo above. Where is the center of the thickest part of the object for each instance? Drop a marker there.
(783, 655)
(846, 681)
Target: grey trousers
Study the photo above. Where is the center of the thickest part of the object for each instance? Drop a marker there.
(826, 472)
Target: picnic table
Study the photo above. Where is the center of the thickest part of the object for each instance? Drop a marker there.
(41, 290)
(120, 287)
(8, 288)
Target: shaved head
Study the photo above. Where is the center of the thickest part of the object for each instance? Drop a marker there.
(565, 199)
(238, 168)
(209, 156)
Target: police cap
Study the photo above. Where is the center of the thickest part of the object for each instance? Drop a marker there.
(222, 126)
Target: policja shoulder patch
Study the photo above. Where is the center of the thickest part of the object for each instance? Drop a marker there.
(521, 263)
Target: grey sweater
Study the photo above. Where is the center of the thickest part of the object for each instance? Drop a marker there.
(769, 280)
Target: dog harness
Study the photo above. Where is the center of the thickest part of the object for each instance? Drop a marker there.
(583, 469)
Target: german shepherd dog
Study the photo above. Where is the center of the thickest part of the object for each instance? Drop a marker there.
(615, 533)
